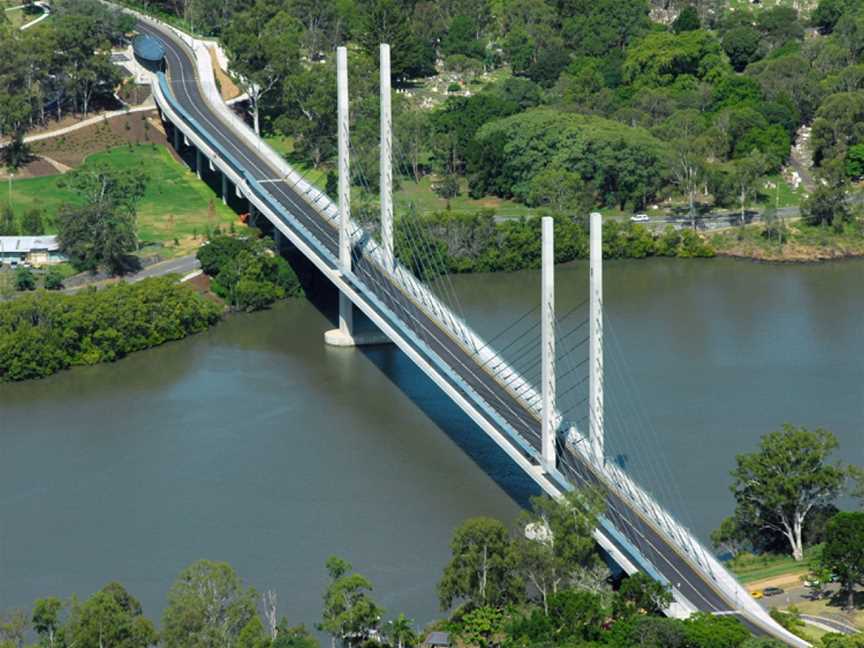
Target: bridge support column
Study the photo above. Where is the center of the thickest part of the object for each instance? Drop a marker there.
(199, 162)
(346, 335)
(547, 341)
(386, 162)
(176, 138)
(224, 189)
(595, 339)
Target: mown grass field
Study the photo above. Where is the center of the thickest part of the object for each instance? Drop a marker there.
(407, 192)
(175, 205)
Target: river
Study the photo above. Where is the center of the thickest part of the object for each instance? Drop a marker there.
(256, 444)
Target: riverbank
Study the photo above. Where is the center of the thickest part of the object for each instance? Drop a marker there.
(44, 332)
(799, 243)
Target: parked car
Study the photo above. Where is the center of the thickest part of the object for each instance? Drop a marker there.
(640, 218)
(772, 591)
(757, 594)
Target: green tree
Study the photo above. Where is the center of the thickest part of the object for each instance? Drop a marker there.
(32, 223)
(482, 569)
(729, 536)
(826, 205)
(447, 188)
(843, 554)
(207, 606)
(53, 279)
(263, 46)
(349, 612)
(708, 631)
(687, 20)
(555, 548)
(855, 162)
(480, 626)
(779, 25)
(640, 594)
(102, 230)
(24, 279)
(746, 173)
(13, 628)
(743, 45)
(46, 620)
(659, 58)
(856, 474)
(780, 484)
(111, 617)
(8, 224)
(400, 632)
(288, 636)
(389, 21)
(839, 124)
(461, 38)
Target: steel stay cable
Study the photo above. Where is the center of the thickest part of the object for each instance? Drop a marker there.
(520, 353)
(517, 417)
(428, 258)
(401, 158)
(491, 391)
(497, 396)
(639, 537)
(431, 307)
(662, 468)
(414, 240)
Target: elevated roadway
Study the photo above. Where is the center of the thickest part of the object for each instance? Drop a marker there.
(636, 539)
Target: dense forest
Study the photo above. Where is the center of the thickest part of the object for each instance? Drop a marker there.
(64, 65)
(566, 104)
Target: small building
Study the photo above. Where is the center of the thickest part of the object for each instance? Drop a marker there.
(437, 640)
(36, 251)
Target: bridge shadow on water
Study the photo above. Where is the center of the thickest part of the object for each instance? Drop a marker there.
(412, 382)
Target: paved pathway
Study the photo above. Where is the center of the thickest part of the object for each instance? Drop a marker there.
(46, 11)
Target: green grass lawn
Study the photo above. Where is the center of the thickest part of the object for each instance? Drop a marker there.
(425, 200)
(770, 570)
(17, 17)
(175, 205)
(783, 195)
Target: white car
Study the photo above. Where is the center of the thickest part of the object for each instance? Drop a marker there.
(640, 218)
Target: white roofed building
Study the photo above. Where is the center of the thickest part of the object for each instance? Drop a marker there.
(36, 251)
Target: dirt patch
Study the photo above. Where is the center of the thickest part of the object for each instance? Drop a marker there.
(71, 149)
(36, 168)
(785, 581)
(226, 85)
(792, 253)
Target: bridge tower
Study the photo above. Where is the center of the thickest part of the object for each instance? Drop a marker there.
(386, 160)
(547, 342)
(347, 335)
(344, 335)
(595, 338)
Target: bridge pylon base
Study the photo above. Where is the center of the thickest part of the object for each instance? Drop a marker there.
(339, 338)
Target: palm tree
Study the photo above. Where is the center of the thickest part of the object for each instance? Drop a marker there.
(401, 632)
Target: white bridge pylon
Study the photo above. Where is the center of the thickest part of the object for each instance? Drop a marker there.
(549, 415)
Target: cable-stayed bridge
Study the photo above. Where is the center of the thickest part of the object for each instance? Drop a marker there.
(548, 419)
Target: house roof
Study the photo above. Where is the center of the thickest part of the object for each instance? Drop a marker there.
(148, 47)
(24, 244)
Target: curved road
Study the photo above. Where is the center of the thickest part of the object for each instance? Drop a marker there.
(435, 342)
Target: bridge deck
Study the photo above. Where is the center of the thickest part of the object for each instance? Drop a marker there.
(666, 559)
